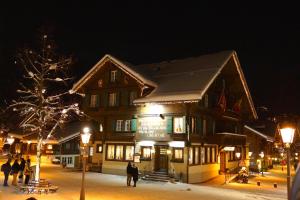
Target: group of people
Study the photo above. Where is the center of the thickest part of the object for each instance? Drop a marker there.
(17, 170)
(132, 173)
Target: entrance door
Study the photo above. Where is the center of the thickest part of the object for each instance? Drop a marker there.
(222, 161)
(161, 158)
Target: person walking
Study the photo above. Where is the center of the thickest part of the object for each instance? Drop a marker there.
(135, 174)
(22, 167)
(27, 172)
(15, 168)
(6, 168)
(129, 173)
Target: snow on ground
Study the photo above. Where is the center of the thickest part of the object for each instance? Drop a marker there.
(112, 187)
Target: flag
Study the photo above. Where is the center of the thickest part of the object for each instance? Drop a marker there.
(222, 101)
(237, 106)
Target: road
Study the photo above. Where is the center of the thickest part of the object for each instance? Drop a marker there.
(112, 187)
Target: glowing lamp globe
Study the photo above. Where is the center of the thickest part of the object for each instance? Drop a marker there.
(262, 155)
(287, 135)
(238, 154)
(10, 140)
(85, 137)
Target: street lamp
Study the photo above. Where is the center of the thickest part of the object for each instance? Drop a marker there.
(287, 135)
(10, 140)
(85, 138)
(262, 155)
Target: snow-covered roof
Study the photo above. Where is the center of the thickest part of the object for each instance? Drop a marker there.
(126, 67)
(268, 138)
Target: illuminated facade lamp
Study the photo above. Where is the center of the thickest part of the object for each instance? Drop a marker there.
(262, 155)
(250, 153)
(296, 154)
(10, 140)
(238, 155)
(85, 137)
(287, 135)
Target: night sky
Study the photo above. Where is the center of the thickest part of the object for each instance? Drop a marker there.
(266, 38)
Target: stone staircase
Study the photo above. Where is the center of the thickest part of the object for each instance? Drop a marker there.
(160, 176)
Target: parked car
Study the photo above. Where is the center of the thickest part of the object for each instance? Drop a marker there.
(55, 161)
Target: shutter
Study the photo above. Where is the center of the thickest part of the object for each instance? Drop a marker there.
(184, 124)
(113, 125)
(118, 98)
(199, 125)
(133, 125)
(87, 100)
(169, 125)
(118, 76)
(97, 100)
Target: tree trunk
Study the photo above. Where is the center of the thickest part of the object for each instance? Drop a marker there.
(38, 160)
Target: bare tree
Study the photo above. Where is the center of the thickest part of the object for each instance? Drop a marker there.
(44, 99)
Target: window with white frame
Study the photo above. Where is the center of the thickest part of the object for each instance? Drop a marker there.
(146, 153)
(208, 155)
(94, 100)
(119, 152)
(127, 126)
(91, 153)
(129, 152)
(178, 125)
(213, 154)
(113, 76)
(191, 156)
(178, 154)
(110, 152)
(196, 161)
(202, 155)
(119, 124)
(112, 99)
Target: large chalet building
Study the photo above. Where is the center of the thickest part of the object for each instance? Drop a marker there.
(181, 116)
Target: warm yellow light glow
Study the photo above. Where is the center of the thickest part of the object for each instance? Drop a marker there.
(147, 143)
(281, 154)
(250, 153)
(262, 155)
(154, 109)
(152, 150)
(10, 140)
(179, 144)
(238, 154)
(296, 154)
(275, 159)
(229, 148)
(28, 141)
(85, 137)
(287, 135)
(169, 151)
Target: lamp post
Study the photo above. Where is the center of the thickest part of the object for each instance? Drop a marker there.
(85, 138)
(10, 140)
(287, 135)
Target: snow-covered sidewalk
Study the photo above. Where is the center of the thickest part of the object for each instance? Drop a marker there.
(113, 187)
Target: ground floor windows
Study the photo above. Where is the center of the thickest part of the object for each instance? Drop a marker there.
(202, 155)
(119, 152)
(99, 148)
(177, 155)
(146, 153)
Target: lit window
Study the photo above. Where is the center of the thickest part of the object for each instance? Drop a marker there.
(111, 152)
(112, 99)
(191, 156)
(213, 154)
(132, 97)
(208, 154)
(70, 160)
(127, 125)
(94, 101)
(91, 151)
(113, 76)
(129, 152)
(202, 155)
(100, 127)
(119, 152)
(178, 154)
(178, 125)
(196, 155)
(119, 125)
(146, 153)
(99, 148)
(49, 146)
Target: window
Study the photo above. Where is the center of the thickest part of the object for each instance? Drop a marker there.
(208, 155)
(99, 148)
(94, 101)
(129, 152)
(193, 124)
(213, 154)
(112, 101)
(132, 97)
(120, 152)
(110, 152)
(91, 152)
(119, 125)
(146, 153)
(49, 147)
(68, 145)
(113, 76)
(179, 125)
(70, 160)
(100, 127)
(127, 125)
(177, 155)
(191, 156)
(202, 155)
(100, 83)
(194, 155)
(196, 161)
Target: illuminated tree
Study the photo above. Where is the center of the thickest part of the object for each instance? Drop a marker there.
(44, 101)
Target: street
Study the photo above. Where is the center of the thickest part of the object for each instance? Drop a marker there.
(113, 187)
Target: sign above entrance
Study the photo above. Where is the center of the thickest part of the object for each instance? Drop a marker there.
(152, 128)
(176, 144)
(229, 148)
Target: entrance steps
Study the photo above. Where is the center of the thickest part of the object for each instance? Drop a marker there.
(158, 176)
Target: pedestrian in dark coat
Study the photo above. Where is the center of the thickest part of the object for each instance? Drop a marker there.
(15, 168)
(129, 173)
(22, 167)
(6, 168)
(135, 174)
